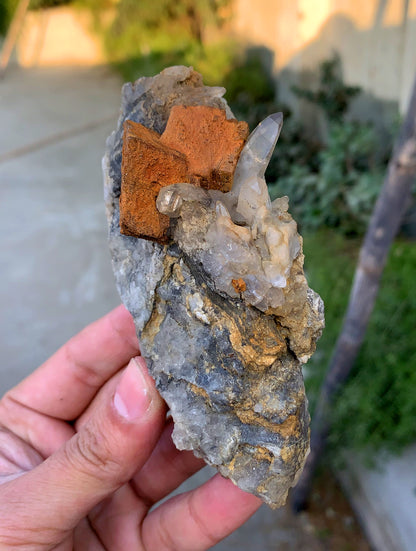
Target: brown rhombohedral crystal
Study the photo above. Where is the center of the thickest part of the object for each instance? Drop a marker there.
(199, 146)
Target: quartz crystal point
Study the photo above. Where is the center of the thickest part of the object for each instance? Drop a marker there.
(258, 150)
(260, 238)
(224, 313)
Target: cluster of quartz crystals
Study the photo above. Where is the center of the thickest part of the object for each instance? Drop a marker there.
(250, 243)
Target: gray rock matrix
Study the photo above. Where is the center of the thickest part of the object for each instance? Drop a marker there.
(230, 373)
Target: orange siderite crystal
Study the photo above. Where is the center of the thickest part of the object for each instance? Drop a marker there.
(199, 146)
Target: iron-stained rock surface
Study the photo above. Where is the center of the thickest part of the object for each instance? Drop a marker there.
(231, 373)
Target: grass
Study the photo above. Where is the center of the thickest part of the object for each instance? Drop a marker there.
(376, 409)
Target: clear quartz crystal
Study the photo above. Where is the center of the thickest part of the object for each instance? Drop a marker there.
(250, 238)
(258, 150)
(170, 202)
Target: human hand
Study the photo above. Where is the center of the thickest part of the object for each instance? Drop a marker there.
(86, 451)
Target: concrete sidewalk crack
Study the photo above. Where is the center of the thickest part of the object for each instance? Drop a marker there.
(55, 138)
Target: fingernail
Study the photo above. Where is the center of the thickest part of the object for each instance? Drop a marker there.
(132, 398)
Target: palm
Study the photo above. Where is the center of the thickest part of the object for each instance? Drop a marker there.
(48, 408)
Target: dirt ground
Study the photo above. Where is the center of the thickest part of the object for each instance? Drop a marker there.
(331, 520)
(328, 525)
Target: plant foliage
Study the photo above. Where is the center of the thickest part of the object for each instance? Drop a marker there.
(332, 94)
(146, 37)
(339, 190)
(342, 192)
(252, 95)
(7, 8)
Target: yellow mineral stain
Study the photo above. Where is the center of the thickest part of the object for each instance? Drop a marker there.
(198, 391)
(289, 427)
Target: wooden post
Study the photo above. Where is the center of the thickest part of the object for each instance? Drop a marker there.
(384, 224)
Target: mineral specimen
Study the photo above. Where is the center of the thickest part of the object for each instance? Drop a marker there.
(223, 310)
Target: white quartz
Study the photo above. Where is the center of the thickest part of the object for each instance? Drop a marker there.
(250, 238)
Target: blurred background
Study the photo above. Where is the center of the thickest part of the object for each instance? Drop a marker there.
(341, 71)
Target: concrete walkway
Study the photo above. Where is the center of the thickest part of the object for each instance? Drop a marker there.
(54, 266)
(54, 263)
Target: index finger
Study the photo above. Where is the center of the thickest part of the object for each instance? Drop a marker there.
(66, 383)
(205, 516)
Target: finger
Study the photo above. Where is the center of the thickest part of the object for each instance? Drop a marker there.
(165, 469)
(49, 501)
(102, 396)
(86, 538)
(65, 384)
(116, 520)
(43, 433)
(199, 519)
(16, 456)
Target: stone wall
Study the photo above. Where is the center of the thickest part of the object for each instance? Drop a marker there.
(384, 498)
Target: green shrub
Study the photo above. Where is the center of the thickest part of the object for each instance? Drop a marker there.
(250, 87)
(252, 95)
(146, 37)
(4, 17)
(338, 185)
(40, 4)
(332, 94)
(342, 192)
(7, 8)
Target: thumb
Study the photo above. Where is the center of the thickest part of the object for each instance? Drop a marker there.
(110, 447)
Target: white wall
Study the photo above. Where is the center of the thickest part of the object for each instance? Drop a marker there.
(385, 499)
(375, 38)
